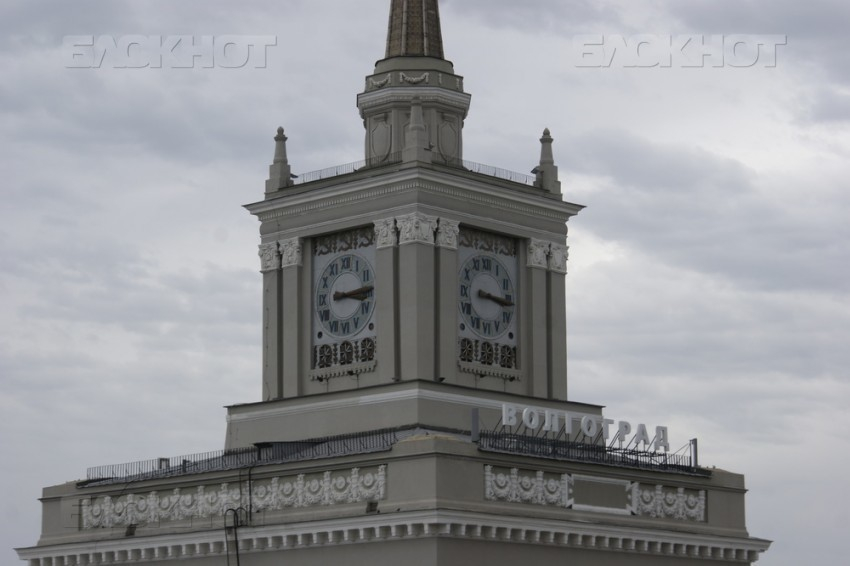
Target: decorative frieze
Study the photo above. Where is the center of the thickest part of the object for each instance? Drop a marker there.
(385, 233)
(290, 252)
(536, 488)
(447, 233)
(328, 488)
(343, 241)
(424, 77)
(269, 258)
(668, 502)
(487, 242)
(416, 228)
(542, 488)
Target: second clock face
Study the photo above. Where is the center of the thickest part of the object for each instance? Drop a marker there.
(486, 296)
(345, 295)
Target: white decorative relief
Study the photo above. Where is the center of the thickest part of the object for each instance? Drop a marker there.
(416, 227)
(558, 256)
(538, 252)
(542, 488)
(328, 488)
(269, 258)
(382, 83)
(385, 233)
(425, 77)
(290, 252)
(447, 233)
(668, 502)
(537, 488)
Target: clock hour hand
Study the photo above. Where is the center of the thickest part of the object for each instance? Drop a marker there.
(361, 294)
(495, 298)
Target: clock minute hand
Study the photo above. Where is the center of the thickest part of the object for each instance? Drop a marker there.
(360, 294)
(495, 298)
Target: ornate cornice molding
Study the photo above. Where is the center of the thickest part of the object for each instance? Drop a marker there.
(416, 228)
(405, 526)
(447, 233)
(290, 252)
(507, 203)
(269, 258)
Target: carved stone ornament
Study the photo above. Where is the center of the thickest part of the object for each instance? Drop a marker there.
(385, 233)
(424, 77)
(206, 501)
(538, 251)
(547, 489)
(416, 227)
(290, 252)
(447, 233)
(269, 258)
(380, 84)
(558, 256)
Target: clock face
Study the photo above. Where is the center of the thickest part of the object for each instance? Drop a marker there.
(345, 296)
(486, 297)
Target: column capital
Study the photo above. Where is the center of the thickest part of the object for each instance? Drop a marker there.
(416, 228)
(290, 252)
(269, 257)
(447, 233)
(558, 256)
(538, 252)
(385, 233)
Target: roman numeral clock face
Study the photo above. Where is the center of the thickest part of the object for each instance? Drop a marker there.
(343, 300)
(345, 295)
(487, 302)
(487, 298)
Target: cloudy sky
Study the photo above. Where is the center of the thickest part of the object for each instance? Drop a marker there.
(708, 285)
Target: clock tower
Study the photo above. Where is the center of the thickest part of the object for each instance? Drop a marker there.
(414, 265)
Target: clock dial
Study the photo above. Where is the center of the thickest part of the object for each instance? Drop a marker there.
(486, 296)
(345, 295)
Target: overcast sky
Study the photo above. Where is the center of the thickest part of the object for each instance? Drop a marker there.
(709, 285)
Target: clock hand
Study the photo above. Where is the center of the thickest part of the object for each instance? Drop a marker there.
(360, 294)
(495, 298)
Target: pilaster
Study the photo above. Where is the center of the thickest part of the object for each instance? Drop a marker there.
(291, 293)
(386, 283)
(447, 268)
(558, 254)
(417, 329)
(537, 298)
(272, 321)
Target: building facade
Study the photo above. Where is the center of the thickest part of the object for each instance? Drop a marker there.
(414, 404)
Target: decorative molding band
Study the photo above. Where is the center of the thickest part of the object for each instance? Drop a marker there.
(558, 256)
(447, 233)
(385, 233)
(541, 488)
(328, 488)
(290, 252)
(481, 370)
(416, 228)
(325, 374)
(538, 253)
(404, 526)
(269, 258)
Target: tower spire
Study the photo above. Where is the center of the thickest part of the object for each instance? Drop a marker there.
(414, 29)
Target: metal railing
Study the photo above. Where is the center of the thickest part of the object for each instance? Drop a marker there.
(395, 158)
(262, 453)
(559, 449)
